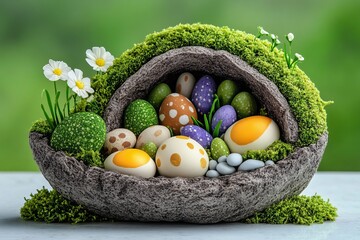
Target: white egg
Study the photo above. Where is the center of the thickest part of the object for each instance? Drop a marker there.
(131, 162)
(185, 84)
(181, 156)
(119, 139)
(251, 133)
(156, 134)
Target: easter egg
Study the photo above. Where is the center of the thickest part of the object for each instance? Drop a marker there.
(185, 84)
(219, 148)
(80, 131)
(251, 133)
(139, 115)
(227, 115)
(158, 94)
(119, 139)
(156, 134)
(150, 148)
(227, 91)
(181, 156)
(203, 94)
(176, 111)
(197, 133)
(131, 161)
(244, 104)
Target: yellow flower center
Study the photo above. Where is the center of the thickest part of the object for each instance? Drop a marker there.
(100, 62)
(79, 84)
(57, 71)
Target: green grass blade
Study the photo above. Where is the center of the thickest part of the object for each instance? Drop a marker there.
(61, 115)
(206, 121)
(217, 129)
(50, 105)
(47, 117)
(197, 122)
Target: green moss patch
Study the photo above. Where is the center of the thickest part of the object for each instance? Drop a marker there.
(275, 152)
(294, 84)
(297, 210)
(50, 207)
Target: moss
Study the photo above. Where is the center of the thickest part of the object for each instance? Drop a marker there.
(41, 126)
(50, 207)
(275, 152)
(89, 157)
(302, 95)
(304, 210)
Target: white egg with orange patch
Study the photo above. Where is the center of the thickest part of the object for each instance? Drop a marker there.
(181, 156)
(251, 133)
(131, 162)
(185, 84)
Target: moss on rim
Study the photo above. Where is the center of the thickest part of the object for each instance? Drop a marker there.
(302, 95)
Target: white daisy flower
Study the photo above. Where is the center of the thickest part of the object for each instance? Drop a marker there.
(290, 37)
(56, 70)
(81, 86)
(262, 31)
(299, 57)
(99, 59)
(277, 41)
(273, 36)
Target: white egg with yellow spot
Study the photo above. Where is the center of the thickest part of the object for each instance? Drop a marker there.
(131, 162)
(251, 133)
(181, 156)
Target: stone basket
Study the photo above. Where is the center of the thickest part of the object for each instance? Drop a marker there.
(196, 200)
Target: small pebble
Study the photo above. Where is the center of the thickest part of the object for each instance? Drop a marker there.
(269, 162)
(234, 159)
(251, 164)
(212, 173)
(222, 159)
(212, 164)
(224, 169)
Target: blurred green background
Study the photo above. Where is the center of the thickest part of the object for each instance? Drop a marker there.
(327, 34)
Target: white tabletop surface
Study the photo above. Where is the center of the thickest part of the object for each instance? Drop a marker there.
(343, 189)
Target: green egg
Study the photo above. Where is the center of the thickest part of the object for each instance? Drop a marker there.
(219, 148)
(150, 148)
(245, 105)
(78, 132)
(140, 115)
(158, 94)
(227, 91)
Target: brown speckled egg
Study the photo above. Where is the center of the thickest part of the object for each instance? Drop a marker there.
(176, 111)
(119, 139)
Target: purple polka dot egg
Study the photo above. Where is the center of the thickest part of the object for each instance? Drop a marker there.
(227, 115)
(203, 94)
(198, 134)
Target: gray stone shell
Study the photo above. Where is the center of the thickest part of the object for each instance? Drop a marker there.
(196, 200)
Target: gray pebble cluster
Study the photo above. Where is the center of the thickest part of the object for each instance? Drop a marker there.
(232, 163)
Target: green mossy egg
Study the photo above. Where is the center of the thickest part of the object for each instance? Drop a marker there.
(245, 105)
(227, 91)
(158, 94)
(83, 131)
(150, 148)
(139, 115)
(219, 148)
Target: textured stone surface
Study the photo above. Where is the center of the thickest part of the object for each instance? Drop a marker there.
(196, 200)
(219, 64)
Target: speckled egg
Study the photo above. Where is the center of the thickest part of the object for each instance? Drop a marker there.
(203, 94)
(131, 161)
(197, 133)
(119, 139)
(227, 115)
(176, 111)
(252, 133)
(156, 134)
(185, 84)
(181, 156)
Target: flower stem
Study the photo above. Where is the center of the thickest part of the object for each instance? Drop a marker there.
(74, 96)
(50, 106)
